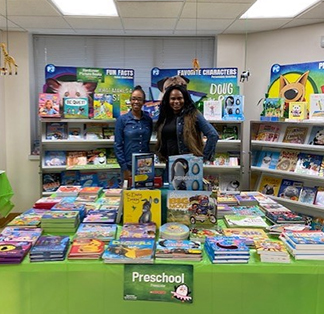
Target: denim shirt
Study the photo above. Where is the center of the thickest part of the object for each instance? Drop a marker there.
(131, 136)
(207, 129)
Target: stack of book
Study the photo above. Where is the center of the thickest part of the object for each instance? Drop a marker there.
(129, 251)
(68, 190)
(249, 235)
(178, 250)
(271, 251)
(89, 194)
(20, 234)
(226, 198)
(254, 210)
(223, 209)
(46, 202)
(49, 248)
(113, 192)
(277, 229)
(227, 250)
(278, 214)
(138, 231)
(101, 217)
(304, 245)
(102, 232)
(30, 218)
(13, 252)
(60, 221)
(71, 206)
(246, 200)
(86, 249)
(200, 234)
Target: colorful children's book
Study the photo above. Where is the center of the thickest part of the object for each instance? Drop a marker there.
(109, 179)
(97, 156)
(142, 206)
(191, 207)
(298, 110)
(307, 194)
(268, 132)
(247, 221)
(290, 189)
(268, 159)
(295, 134)
(76, 108)
(54, 158)
(316, 136)
(287, 160)
(309, 164)
(229, 132)
(316, 107)
(86, 249)
(269, 185)
(51, 182)
(20, 234)
(248, 234)
(273, 109)
(101, 217)
(93, 131)
(77, 158)
(13, 252)
(319, 198)
(75, 131)
(56, 130)
(102, 106)
(129, 251)
(49, 105)
(233, 107)
(308, 240)
(143, 170)
(185, 172)
(103, 232)
(229, 183)
(70, 177)
(213, 109)
(138, 231)
(89, 178)
(153, 109)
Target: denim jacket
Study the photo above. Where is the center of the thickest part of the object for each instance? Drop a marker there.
(206, 128)
(131, 136)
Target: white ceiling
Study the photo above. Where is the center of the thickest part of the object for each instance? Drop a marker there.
(149, 18)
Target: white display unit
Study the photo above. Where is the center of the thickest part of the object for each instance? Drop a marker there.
(81, 144)
(309, 180)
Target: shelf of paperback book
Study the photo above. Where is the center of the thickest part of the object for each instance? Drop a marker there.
(281, 173)
(280, 145)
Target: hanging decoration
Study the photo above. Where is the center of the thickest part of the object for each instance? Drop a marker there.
(246, 73)
(195, 61)
(9, 62)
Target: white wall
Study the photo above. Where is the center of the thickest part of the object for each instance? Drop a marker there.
(22, 173)
(296, 45)
(288, 46)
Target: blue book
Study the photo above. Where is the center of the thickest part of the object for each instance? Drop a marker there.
(88, 179)
(290, 189)
(309, 164)
(268, 159)
(233, 107)
(227, 245)
(307, 194)
(54, 158)
(70, 177)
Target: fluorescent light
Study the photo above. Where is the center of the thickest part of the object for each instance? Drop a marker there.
(277, 8)
(86, 7)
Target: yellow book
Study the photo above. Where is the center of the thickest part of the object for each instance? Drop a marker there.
(298, 110)
(142, 206)
(269, 185)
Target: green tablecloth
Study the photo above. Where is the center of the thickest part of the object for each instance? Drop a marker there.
(5, 195)
(92, 287)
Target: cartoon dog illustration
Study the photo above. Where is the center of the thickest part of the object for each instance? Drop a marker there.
(293, 91)
(146, 215)
(171, 81)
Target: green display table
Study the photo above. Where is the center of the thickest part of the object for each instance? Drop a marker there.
(92, 287)
(5, 195)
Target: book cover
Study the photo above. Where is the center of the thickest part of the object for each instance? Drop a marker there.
(143, 170)
(16, 250)
(309, 164)
(56, 130)
(269, 185)
(97, 156)
(153, 109)
(20, 234)
(271, 247)
(248, 234)
(185, 172)
(295, 134)
(77, 158)
(222, 159)
(298, 110)
(101, 216)
(287, 160)
(93, 131)
(233, 107)
(102, 106)
(103, 232)
(229, 132)
(227, 246)
(48, 105)
(108, 133)
(54, 158)
(191, 207)
(316, 107)
(76, 108)
(234, 221)
(51, 182)
(307, 194)
(252, 210)
(138, 231)
(268, 132)
(86, 248)
(142, 206)
(268, 159)
(312, 239)
(129, 251)
(51, 244)
(213, 109)
(290, 189)
(75, 131)
(89, 178)
(319, 198)
(109, 179)
(70, 177)
(316, 136)
(273, 109)
(229, 183)
(177, 248)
